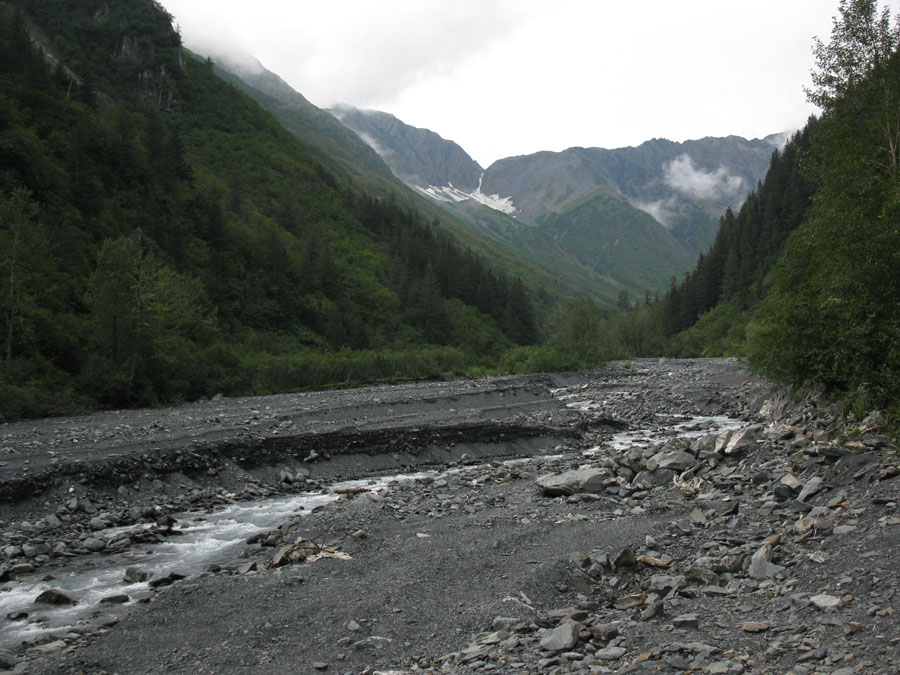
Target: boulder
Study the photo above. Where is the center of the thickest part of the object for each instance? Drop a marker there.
(676, 460)
(54, 596)
(572, 482)
(561, 638)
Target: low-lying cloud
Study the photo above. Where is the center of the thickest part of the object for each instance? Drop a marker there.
(684, 176)
(663, 210)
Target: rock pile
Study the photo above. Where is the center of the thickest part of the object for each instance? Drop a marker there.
(781, 560)
(753, 533)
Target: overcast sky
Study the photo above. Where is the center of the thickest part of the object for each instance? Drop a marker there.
(511, 77)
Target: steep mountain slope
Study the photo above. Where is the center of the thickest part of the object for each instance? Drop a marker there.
(344, 152)
(684, 187)
(417, 156)
(163, 237)
(325, 137)
(608, 236)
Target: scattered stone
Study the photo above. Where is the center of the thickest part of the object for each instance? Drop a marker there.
(135, 576)
(624, 559)
(54, 596)
(686, 621)
(754, 627)
(572, 482)
(167, 580)
(610, 653)
(824, 601)
(117, 599)
(813, 485)
(561, 638)
(8, 661)
(94, 545)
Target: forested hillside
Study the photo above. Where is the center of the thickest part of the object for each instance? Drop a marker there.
(831, 313)
(804, 280)
(162, 237)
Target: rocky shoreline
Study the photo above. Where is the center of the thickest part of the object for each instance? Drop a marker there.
(612, 521)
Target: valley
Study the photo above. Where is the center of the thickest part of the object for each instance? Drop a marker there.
(555, 493)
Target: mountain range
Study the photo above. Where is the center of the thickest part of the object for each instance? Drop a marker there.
(587, 221)
(685, 187)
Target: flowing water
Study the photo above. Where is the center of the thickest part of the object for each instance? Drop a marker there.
(203, 539)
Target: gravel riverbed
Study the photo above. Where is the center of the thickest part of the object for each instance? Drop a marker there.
(653, 516)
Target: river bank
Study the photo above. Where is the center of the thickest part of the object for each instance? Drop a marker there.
(557, 531)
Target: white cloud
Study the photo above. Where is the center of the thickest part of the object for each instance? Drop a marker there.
(683, 175)
(507, 77)
(663, 210)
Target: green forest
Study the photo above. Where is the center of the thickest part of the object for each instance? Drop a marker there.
(163, 238)
(804, 280)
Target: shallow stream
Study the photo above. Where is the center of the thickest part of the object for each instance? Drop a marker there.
(202, 539)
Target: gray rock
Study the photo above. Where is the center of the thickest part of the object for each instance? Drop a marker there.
(7, 660)
(34, 550)
(54, 596)
(663, 583)
(117, 599)
(572, 482)
(813, 485)
(135, 576)
(686, 621)
(653, 610)
(625, 558)
(734, 442)
(824, 601)
(503, 623)
(610, 653)
(761, 568)
(676, 461)
(650, 479)
(702, 573)
(94, 545)
(97, 523)
(677, 662)
(561, 638)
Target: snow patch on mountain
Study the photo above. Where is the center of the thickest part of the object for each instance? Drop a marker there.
(448, 193)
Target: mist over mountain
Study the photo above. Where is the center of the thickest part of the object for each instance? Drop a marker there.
(685, 186)
(419, 157)
(599, 221)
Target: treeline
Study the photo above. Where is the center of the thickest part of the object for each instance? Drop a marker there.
(705, 313)
(804, 280)
(831, 313)
(162, 238)
(746, 244)
(427, 264)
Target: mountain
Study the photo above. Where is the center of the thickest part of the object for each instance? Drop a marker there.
(324, 136)
(418, 157)
(685, 187)
(162, 237)
(520, 250)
